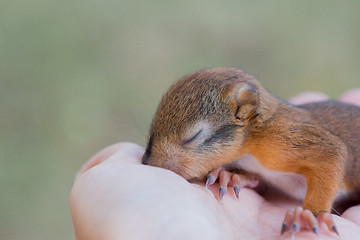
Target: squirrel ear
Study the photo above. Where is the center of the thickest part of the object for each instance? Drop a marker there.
(247, 103)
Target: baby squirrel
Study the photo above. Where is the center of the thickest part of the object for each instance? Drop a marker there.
(211, 118)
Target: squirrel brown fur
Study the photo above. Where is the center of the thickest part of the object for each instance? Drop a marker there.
(212, 117)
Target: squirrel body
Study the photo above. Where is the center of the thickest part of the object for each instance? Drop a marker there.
(214, 117)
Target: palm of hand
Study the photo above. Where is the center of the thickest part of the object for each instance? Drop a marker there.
(121, 199)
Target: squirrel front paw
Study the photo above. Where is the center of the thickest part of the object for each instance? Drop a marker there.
(304, 218)
(231, 178)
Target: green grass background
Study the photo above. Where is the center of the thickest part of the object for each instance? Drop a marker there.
(76, 76)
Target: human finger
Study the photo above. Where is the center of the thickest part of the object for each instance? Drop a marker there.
(118, 149)
(308, 97)
(351, 96)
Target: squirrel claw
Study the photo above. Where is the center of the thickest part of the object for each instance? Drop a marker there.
(213, 175)
(326, 218)
(305, 218)
(236, 190)
(210, 180)
(222, 190)
(334, 229)
(228, 178)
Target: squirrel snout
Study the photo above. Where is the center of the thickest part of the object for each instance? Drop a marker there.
(145, 159)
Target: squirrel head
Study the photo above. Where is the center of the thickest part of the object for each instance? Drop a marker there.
(202, 121)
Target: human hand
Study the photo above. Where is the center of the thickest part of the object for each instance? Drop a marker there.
(116, 197)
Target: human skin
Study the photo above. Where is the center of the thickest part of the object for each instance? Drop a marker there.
(116, 197)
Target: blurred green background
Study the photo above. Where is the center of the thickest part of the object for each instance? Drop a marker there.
(76, 76)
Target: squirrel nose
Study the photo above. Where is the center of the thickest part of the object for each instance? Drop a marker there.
(145, 159)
